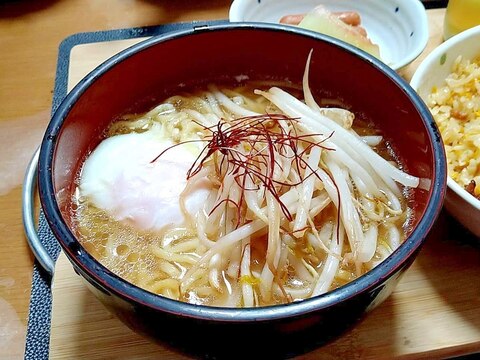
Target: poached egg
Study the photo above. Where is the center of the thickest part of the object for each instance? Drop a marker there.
(120, 178)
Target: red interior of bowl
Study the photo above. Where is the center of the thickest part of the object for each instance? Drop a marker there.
(168, 65)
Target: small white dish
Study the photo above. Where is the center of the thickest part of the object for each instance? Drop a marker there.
(432, 72)
(398, 27)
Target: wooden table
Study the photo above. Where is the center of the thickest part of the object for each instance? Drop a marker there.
(30, 32)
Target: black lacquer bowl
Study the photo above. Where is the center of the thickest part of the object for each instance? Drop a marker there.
(153, 69)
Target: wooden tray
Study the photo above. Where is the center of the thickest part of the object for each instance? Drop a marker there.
(433, 313)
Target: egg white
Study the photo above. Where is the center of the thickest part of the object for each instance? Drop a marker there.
(120, 178)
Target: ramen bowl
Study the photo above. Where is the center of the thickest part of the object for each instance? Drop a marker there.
(136, 78)
(431, 73)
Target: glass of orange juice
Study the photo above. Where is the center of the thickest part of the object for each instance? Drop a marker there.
(460, 15)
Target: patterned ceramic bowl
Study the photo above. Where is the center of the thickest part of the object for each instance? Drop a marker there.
(431, 74)
(398, 27)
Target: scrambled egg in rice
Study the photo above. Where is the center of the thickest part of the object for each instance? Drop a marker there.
(456, 109)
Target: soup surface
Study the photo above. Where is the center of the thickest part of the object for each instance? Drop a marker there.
(241, 196)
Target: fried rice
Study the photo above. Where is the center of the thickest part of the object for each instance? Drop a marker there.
(456, 110)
